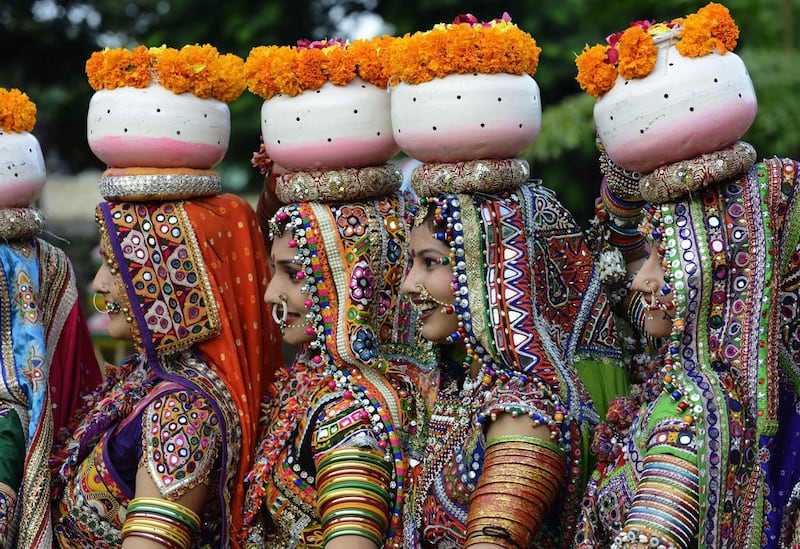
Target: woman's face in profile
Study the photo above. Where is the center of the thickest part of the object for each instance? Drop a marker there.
(284, 294)
(649, 280)
(429, 285)
(108, 285)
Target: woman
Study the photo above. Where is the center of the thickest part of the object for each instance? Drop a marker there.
(506, 286)
(701, 463)
(158, 456)
(703, 456)
(47, 360)
(48, 364)
(338, 425)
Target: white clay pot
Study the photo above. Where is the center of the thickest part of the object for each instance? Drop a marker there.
(465, 117)
(153, 127)
(684, 108)
(22, 169)
(333, 127)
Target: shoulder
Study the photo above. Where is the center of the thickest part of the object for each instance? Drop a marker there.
(181, 437)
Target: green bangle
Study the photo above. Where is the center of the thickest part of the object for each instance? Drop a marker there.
(193, 526)
(375, 516)
(535, 441)
(351, 531)
(377, 490)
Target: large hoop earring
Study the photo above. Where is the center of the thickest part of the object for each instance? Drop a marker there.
(281, 320)
(109, 306)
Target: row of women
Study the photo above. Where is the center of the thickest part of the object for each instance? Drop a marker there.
(457, 352)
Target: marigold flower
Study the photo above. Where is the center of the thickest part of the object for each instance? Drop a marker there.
(17, 111)
(595, 74)
(632, 53)
(195, 69)
(711, 27)
(463, 47)
(637, 53)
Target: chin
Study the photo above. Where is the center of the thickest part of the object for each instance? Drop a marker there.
(435, 335)
(118, 328)
(298, 338)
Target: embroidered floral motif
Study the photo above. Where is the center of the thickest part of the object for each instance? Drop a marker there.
(181, 436)
(26, 297)
(352, 221)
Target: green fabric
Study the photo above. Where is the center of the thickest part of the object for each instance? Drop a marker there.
(665, 411)
(12, 448)
(604, 381)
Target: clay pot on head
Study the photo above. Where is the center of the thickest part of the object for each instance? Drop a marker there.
(684, 108)
(332, 127)
(154, 127)
(22, 169)
(464, 117)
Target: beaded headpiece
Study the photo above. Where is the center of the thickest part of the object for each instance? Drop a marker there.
(632, 52)
(353, 257)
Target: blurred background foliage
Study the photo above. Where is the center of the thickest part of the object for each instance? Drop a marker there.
(44, 45)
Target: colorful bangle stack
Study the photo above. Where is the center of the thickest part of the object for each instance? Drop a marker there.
(166, 522)
(665, 511)
(619, 191)
(353, 496)
(522, 477)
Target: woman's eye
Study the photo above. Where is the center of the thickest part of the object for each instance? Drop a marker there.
(430, 262)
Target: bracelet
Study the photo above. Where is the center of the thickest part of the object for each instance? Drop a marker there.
(494, 533)
(166, 508)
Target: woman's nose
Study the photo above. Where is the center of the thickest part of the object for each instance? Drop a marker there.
(272, 292)
(100, 282)
(409, 282)
(650, 277)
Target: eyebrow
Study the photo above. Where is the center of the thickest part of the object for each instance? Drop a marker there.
(428, 251)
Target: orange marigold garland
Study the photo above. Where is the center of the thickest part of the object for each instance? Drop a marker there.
(273, 70)
(110, 69)
(17, 111)
(195, 69)
(462, 47)
(632, 53)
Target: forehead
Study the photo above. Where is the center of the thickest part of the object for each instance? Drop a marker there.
(422, 239)
(281, 250)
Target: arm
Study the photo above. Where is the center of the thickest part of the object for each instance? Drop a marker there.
(666, 506)
(181, 440)
(522, 477)
(353, 497)
(157, 512)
